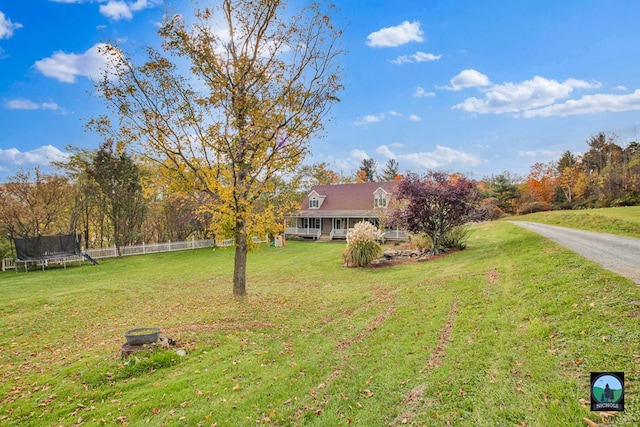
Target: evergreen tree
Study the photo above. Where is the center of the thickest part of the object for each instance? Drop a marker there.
(390, 171)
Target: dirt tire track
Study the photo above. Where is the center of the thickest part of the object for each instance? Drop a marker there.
(414, 399)
(318, 404)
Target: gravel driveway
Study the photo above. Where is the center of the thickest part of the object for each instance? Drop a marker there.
(616, 253)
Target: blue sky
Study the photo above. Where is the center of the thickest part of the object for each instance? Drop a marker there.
(464, 86)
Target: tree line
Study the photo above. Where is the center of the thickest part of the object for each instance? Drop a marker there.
(607, 174)
(113, 198)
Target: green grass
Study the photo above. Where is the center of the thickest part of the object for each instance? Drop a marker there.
(504, 333)
(623, 221)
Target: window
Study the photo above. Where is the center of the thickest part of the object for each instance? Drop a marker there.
(314, 204)
(310, 223)
(380, 202)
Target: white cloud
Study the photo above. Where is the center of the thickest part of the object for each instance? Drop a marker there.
(466, 79)
(359, 154)
(49, 106)
(396, 36)
(589, 104)
(42, 156)
(375, 118)
(416, 57)
(369, 118)
(519, 97)
(7, 27)
(117, 9)
(415, 118)
(540, 97)
(65, 67)
(385, 151)
(620, 87)
(441, 157)
(544, 153)
(420, 92)
(27, 104)
(425, 57)
(22, 104)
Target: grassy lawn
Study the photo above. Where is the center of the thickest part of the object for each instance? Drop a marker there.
(623, 221)
(504, 333)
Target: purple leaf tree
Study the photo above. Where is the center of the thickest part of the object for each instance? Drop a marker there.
(435, 204)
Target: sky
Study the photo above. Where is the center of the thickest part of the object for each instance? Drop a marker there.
(476, 87)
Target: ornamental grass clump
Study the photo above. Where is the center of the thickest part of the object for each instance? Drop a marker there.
(362, 245)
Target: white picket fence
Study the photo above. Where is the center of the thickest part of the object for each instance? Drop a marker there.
(112, 252)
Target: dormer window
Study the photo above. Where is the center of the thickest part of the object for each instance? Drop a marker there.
(380, 201)
(315, 200)
(381, 198)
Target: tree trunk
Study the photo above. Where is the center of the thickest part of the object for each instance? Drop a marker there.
(240, 261)
(435, 240)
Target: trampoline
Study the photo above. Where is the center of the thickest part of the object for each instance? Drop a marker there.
(45, 250)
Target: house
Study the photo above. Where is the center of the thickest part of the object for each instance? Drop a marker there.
(329, 211)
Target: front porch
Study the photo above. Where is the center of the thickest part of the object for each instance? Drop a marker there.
(334, 228)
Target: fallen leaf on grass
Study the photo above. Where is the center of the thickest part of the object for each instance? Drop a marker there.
(367, 392)
(606, 415)
(590, 423)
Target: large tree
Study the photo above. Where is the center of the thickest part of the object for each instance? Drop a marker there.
(436, 203)
(260, 83)
(367, 171)
(92, 219)
(119, 179)
(504, 188)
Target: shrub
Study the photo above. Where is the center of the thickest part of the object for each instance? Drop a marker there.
(362, 245)
(422, 241)
(456, 238)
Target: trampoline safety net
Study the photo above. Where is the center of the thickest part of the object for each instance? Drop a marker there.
(44, 247)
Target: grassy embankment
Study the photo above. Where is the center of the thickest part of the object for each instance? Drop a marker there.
(504, 333)
(624, 221)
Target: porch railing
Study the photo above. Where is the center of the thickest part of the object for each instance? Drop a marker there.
(300, 231)
(395, 234)
(338, 232)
